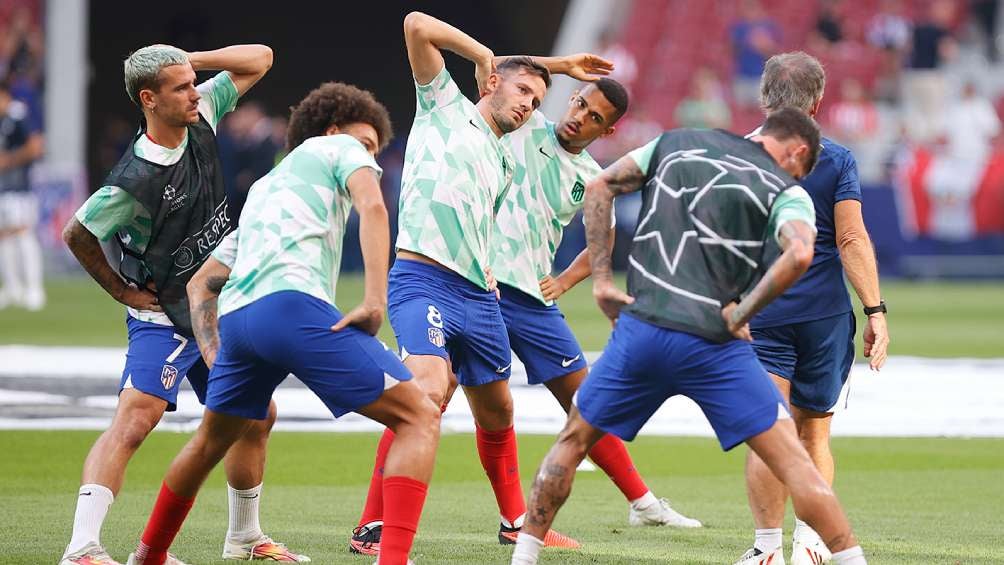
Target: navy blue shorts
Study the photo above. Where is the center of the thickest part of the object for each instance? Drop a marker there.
(437, 312)
(158, 359)
(815, 356)
(643, 365)
(290, 332)
(540, 336)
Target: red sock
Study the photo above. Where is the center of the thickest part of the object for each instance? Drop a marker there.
(499, 458)
(405, 498)
(611, 455)
(374, 497)
(165, 521)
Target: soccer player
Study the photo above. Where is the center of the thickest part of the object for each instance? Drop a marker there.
(164, 202)
(277, 316)
(456, 173)
(21, 144)
(805, 338)
(713, 205)
(552, 168)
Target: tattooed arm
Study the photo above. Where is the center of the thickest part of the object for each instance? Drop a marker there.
(796, 238)
(203, 291)
(622, 177)
(86, 248)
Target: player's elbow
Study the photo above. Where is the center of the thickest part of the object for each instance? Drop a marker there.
(71, 232)
(851, 238)
(415, 25)
(372, 210)
(265, 58)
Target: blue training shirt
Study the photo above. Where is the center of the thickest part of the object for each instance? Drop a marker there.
(821, 292)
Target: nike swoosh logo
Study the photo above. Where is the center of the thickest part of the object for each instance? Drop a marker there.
(474, 124)
(86, 493)
(501, 370)
(567, 362)
(247, 497)
(541, 149)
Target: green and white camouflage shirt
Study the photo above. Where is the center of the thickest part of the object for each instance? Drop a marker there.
(456, 174)
(293, 223)
(548, 190)
(111, 209)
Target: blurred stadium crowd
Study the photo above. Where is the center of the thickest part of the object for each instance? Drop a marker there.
(914, 89)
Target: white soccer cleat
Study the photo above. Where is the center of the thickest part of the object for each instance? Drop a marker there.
(754, 556)
(812, 553)
(262, 549)
(660, 513)
(171, 560)
(91, 554)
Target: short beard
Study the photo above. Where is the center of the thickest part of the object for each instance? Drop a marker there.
(502, 119)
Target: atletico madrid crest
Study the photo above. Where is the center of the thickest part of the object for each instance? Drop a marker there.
(437, 337)
(168, 376)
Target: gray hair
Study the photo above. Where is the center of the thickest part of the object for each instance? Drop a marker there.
(793, 79)
(142, 67)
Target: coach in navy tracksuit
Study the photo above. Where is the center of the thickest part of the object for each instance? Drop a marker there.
(805, 338)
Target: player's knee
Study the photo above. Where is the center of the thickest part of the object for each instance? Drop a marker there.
(130, 432)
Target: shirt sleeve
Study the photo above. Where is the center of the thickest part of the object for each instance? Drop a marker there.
(219, 96)
(848, 185)
(442, 91)
(643, 155)
(226, 251)
(109, 210)
(352, 156)
(792, 204)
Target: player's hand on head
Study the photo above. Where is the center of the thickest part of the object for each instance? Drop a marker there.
(140, 299)
(552, 288)
(611, 299)
(367, 317)
(876, 339)
(738, 330)
(481, 73)
(588, 67)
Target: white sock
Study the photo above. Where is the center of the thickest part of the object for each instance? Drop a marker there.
(850, 556)
(9, 269)
(767, 539)
(527, 550)
(92, 507)
(646, 500)
(805, 533)
(243, 526)
(31, 262)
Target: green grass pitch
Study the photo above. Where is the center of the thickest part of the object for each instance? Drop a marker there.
(910, 500)
(926, 319)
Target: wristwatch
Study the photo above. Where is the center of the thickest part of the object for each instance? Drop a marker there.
(869, 310)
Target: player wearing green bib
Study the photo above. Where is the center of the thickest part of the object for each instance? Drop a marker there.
(552, 169)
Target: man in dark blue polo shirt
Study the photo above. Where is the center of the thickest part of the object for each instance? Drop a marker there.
(805, 338)
(20, 256)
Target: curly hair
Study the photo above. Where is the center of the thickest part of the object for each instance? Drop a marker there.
(336, 104)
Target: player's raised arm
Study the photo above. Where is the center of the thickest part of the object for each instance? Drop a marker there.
(580, 66)
(622, 177)
(245, 63)
(374, 236)
(796, 237)
(203, 294)
(425, 36)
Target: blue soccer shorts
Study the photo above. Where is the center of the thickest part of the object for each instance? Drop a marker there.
(540, 336)
(815, 356)
(290, 332)
(159, 358)
(643, 365)
(437, 312)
